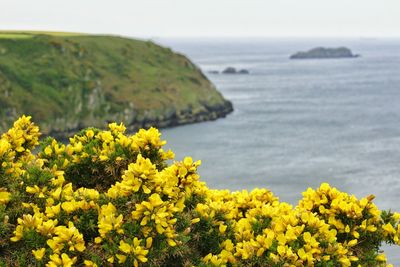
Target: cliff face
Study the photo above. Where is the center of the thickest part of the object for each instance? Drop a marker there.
(321, 52)
(68, 82)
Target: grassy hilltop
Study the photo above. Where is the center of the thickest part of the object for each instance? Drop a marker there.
(69, 81)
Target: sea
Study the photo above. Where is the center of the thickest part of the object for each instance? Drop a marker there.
(299, 123)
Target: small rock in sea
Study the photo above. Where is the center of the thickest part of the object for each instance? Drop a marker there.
(229, 70)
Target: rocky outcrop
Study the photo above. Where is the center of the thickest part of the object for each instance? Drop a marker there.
(171, 119)
(232, 70)
(321, 52)
(243, 71)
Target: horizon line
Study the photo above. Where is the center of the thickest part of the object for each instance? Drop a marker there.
(162, 36)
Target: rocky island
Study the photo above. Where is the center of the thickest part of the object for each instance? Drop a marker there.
(232, 70)
(321, 52)
(71, 81)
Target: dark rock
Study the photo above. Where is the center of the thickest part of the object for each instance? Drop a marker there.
(243, 71)
(229, 70)
(321, 52)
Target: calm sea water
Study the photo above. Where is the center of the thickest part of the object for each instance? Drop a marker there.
(297, 124)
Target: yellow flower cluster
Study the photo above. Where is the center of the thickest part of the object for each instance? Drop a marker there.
(16, 146)
(392, 228)
(107, 198)
(262, 227)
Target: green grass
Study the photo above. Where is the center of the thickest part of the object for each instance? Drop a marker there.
(14, 35)
(71, 80)
(28, 34)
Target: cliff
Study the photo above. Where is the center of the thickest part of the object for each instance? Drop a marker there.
(71, 81)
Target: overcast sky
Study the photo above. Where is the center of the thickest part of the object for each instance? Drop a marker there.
(174, 18)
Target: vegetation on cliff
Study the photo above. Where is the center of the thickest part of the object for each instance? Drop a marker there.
(70, 81)
(111, 199)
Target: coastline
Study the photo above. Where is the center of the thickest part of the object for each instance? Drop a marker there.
(172, 120)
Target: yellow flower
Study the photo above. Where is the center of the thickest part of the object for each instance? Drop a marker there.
(352, 243)
(389, 229)
(125, 247)
(108, 220)
(53, 210)
(381, 257)
(111, 259)
(171, 242)
(70, 206)
(69, 236)
(39, 253)
(89, 133)
(89, 263)
(18, 233)
(4, 197)
(195, 220)
(134, 249)
(121, 258)
(5, 146)
(149, 242)
(146, 138)
(222, 228)
(64, 261)
(47, 228)
(140, 175)
(48, 151)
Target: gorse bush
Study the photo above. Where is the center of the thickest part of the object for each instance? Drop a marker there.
(111, 199)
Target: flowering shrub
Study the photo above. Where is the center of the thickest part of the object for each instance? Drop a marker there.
(107, 198)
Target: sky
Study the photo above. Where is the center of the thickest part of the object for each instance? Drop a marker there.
(207, 18)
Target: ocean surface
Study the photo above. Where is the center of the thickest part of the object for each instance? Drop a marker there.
(298, 123)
